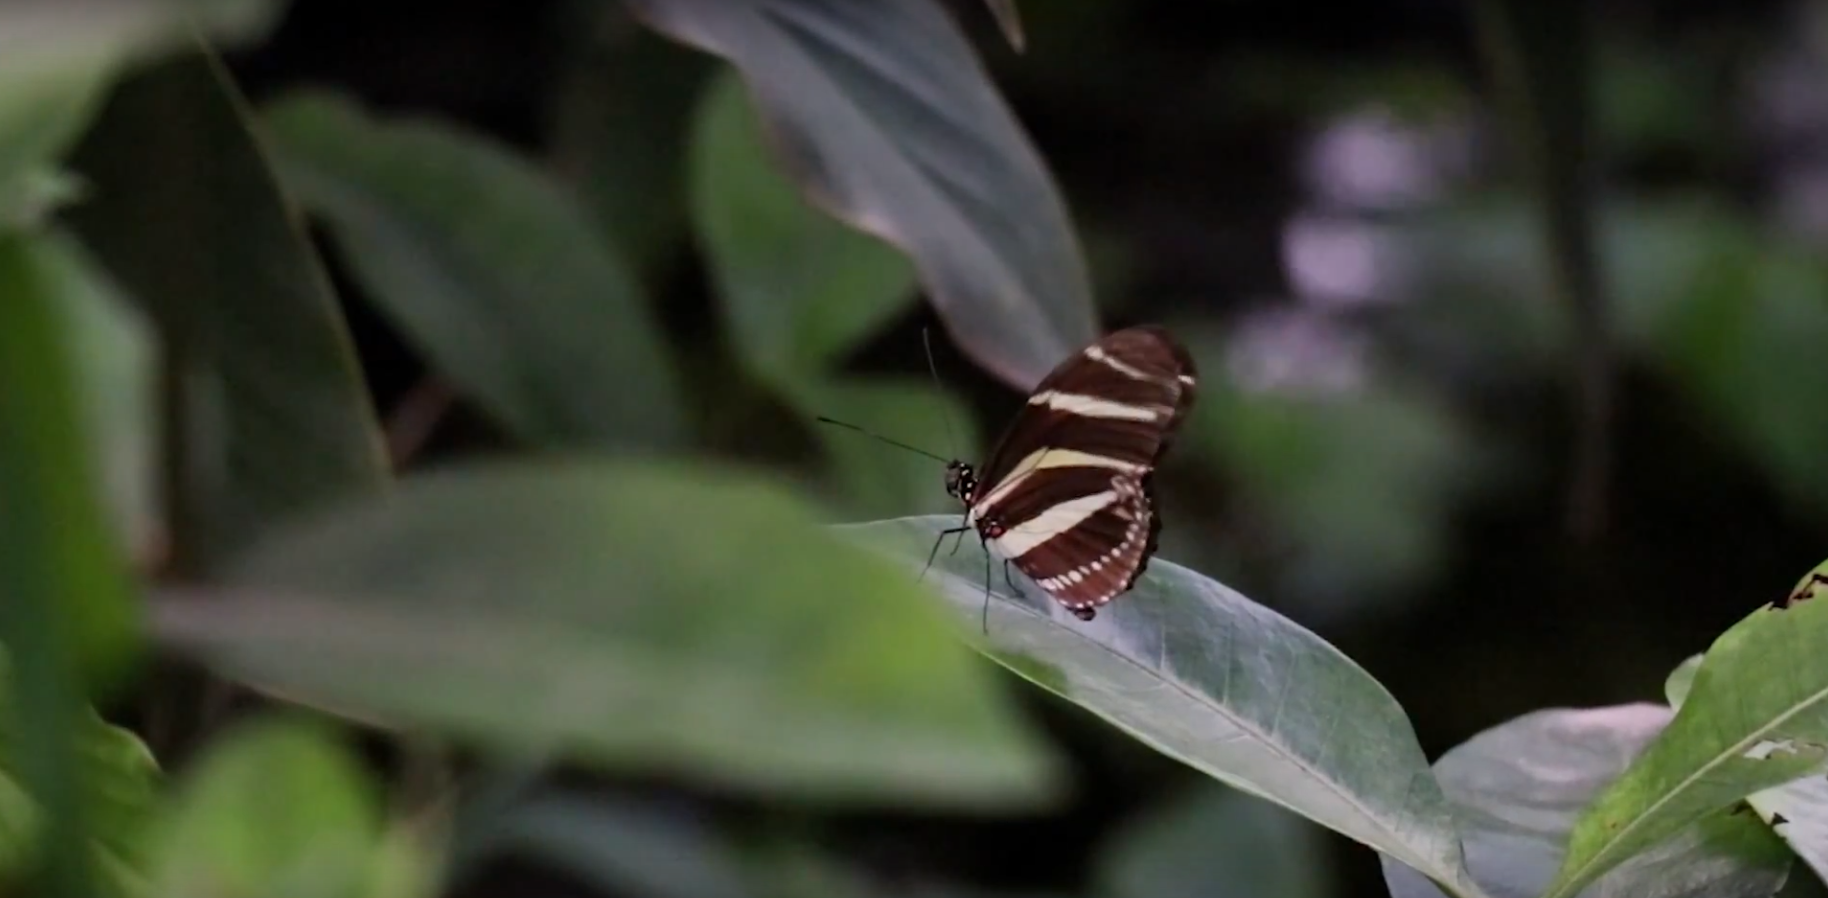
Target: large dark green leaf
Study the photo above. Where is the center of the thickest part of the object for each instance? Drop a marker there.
(57, 59)
(885, 116)
(622, 110)
(274, 417)
(1204, 675)
(799, 290)
(65, 612)
(1521, 784)
(1756, 716)
(641, 616)
(277, 808)
(497, 275)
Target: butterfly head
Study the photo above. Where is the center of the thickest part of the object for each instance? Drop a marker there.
(961, 481)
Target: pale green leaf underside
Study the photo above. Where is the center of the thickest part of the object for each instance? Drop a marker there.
(1204, 675)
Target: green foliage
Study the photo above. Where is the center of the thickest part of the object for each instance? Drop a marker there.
(1742, 728)
(1233, 689)
(1553, 763)
(888, 121)
(665, 616)
(278, 807)
(179, 386)
(268, 415)
(497, 275)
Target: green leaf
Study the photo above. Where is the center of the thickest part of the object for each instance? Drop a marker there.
(1755, 717)
(66, 617)
(888, 120)
(275, 808)
(1217, 842)
(270, 415)
(1206, 676)
(799, 289)
(57, 59)
(113, 348)
(1520, 785)
(119, 780)
(640, 616)
(622, 110)
(1797, 811)
(484, 263)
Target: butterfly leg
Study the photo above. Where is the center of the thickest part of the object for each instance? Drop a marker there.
(986, 614)
(1011, 583)
(936, 544)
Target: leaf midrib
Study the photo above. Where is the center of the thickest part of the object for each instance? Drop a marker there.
(1200, 698)
(1737, 749)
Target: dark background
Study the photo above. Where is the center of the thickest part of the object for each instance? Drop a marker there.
(1182, 135)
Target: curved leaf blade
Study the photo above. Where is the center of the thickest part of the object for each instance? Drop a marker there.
(275, 418)
(501, 279)
(1797, 811)
(66, 617)
(640, 616)
(1227, 686)
(1521, 784)
(886, 117)
(798, 289)
(1756, 716)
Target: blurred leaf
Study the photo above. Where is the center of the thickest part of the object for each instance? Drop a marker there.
(112, 345)
(648, 617)
(1204, 675)
(620, 847)
(799, 289)
(119, 787)
(877, 479)
(1521, 784)
(1755, 717)
(887, 119)
(1009, 21)
(274, 416)
(275, 808)
(1675, 689)
(490, 269)
(1360, 482)
(67, 619)
(621, 113)
(1217, 842)
(58, 57)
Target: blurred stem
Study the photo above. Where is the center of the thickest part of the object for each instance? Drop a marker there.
(1539, 53)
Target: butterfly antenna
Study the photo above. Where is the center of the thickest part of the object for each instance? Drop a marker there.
(896, 443)
(926, 341)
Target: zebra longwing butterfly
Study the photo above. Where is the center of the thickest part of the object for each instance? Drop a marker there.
(1067, 495)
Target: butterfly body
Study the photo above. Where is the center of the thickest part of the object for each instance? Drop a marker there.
(1067, 494)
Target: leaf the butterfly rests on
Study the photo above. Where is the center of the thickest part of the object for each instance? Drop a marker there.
(1067, 495)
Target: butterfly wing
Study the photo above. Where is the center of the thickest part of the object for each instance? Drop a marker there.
(1068, 494)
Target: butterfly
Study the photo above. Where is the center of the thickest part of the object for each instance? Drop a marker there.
(1067, 495)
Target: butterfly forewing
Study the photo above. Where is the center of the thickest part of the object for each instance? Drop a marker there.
(1067, 494)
